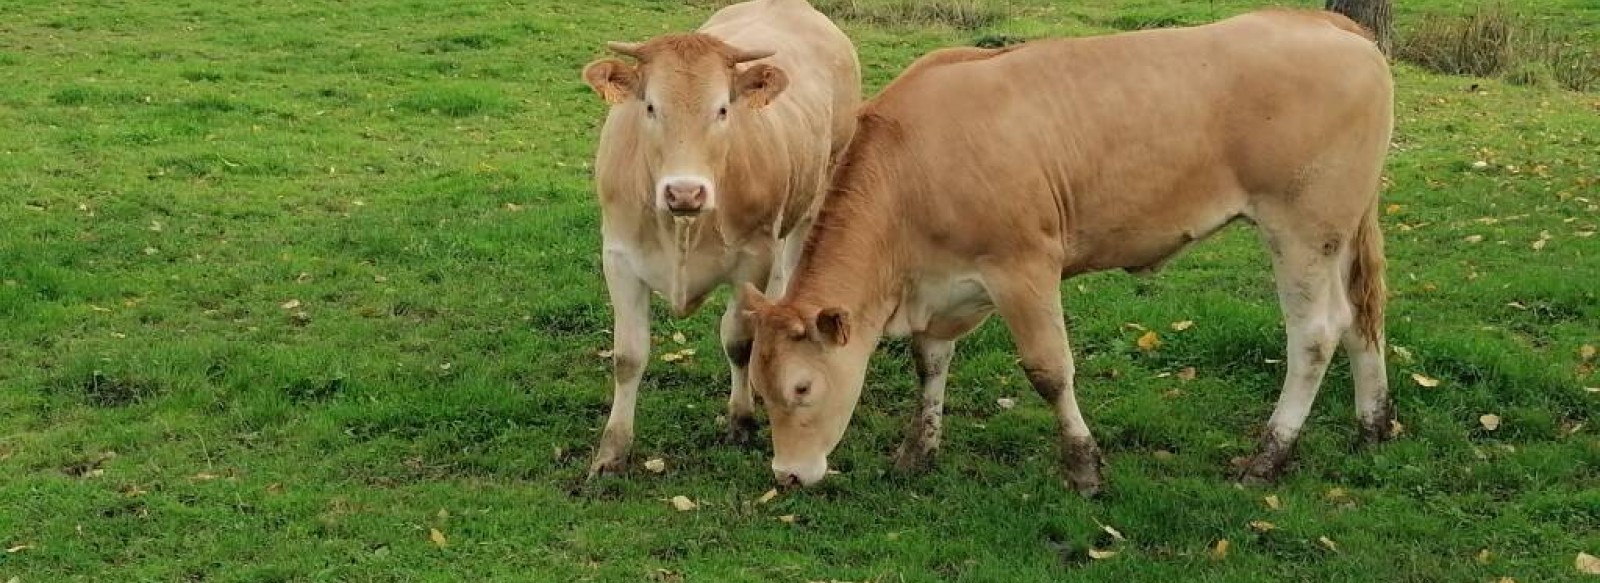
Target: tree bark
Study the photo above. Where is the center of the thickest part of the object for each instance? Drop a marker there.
(1373, 14)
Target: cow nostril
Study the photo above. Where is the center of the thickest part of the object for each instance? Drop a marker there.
(788, 480)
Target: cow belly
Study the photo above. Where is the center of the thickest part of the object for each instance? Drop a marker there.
(944, 307)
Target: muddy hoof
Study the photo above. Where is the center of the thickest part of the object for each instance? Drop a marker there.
(1081, 462)
(742, 431)
(608, 464)
(914, 458)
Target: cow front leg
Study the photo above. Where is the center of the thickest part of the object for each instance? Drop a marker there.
(736, 336)
(932, 358)
(1030, 302)
(630, 351)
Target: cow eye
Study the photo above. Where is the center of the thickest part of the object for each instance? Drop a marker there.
(650, 110)
(802, 389)
(722, 113)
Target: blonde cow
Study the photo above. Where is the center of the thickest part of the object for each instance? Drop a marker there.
(710, 169)
(981, 178)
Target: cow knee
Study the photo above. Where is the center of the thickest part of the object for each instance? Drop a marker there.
(627, 366)
(738, 352)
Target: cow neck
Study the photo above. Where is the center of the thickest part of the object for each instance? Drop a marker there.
(852, 259)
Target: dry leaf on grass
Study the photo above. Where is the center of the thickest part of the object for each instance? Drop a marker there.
(1187, 374)
(1586, 352)
(1262, 526)
(1005, 402)
(1328, 542)
(1219, 551)
(1424, 380)
(1273, 502)
(1150, 341)
(1098, 554)
(18, 548)
(1489, 421)
(656, 465)
(678, 338)
(683, 503)
(1484, 556)
(1115, 534)
(437, 538)
(765, 498)
(788, 519)
(1474, 239)
(290, 305)
(1182, 325)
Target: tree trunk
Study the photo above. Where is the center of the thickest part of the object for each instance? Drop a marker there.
(1373, 14)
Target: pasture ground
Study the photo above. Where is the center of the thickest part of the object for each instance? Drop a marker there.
(288, 288)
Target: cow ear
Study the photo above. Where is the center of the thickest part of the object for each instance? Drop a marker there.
(760, 84)
(613, 79)
(753, 301)
(833, 325)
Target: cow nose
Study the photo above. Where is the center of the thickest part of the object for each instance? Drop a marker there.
(685, 196)
(786, 479)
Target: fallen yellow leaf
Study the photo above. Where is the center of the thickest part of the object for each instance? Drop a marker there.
(765, 498)
(1328, 542)
(1396, 428)
(656, 465)
(1150, 341)
(1273, 502)
(437, 538)
(1113, 532)
(1489, 421)
(788, 518)
(1262, 526)
(1484, 557)
(1586, 352)
(290, 305)
(1182, 325)
(19, 548)
(1392, 209)
(1424, 380)
(1219, 551)
(1098, 554)
(683, 503)
(1587, 564)
(678, 337)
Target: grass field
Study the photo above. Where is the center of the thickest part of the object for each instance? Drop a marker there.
(310, 291)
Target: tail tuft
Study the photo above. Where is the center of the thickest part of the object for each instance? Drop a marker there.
(1367, 290)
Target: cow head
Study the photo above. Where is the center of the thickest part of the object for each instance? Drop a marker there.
(688, 95)
(809, 373)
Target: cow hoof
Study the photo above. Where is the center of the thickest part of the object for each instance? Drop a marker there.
(1081, 462)
(1268, 463)
(914, 457)
(742, 431)
(608, 463)
(1380, 428)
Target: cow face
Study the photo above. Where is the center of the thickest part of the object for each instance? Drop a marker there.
(809, 375)
(688, 94)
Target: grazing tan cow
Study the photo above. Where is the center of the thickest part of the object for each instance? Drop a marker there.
(711, 166)
(981, 178)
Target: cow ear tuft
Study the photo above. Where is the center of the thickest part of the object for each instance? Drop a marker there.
(760, 84)
(613, 79)
(833, 325)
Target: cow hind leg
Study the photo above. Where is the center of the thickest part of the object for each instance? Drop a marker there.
(1309, 270)
(923, 432)
(1364, 341)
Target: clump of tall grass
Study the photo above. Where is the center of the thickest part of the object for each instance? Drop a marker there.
(959, 14)
(1496, 42)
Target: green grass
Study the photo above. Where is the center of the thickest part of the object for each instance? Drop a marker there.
(411, 179)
